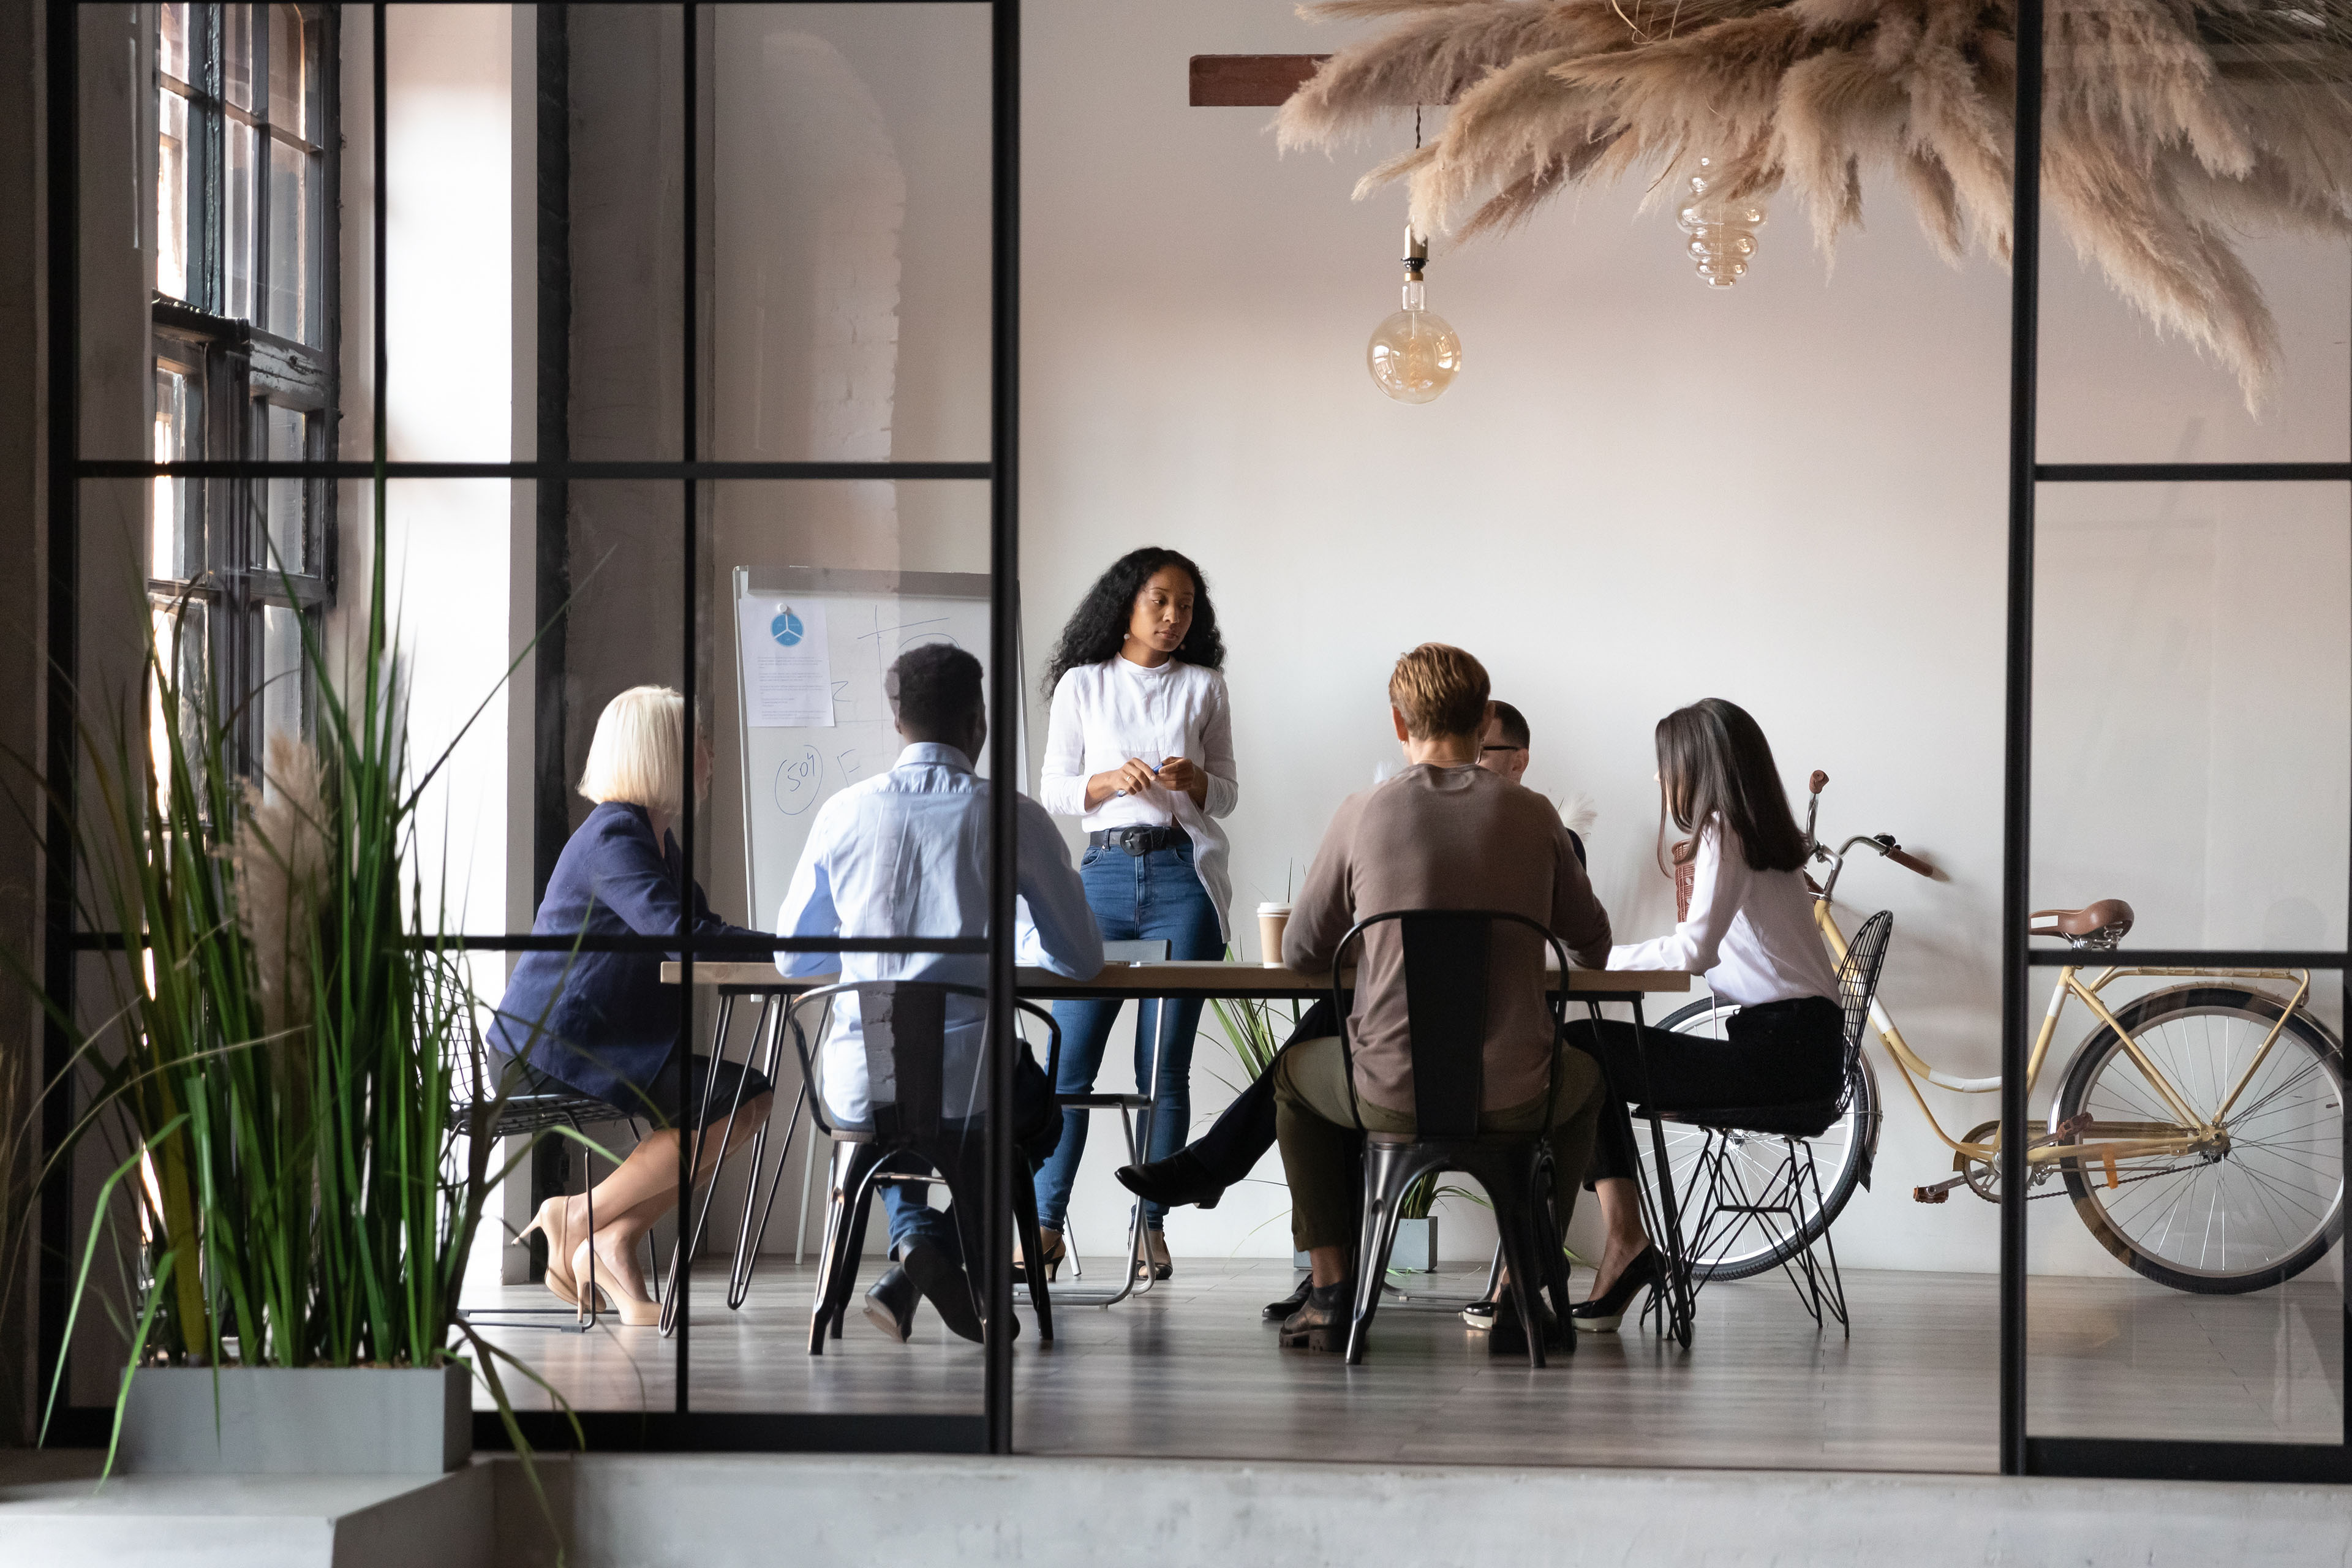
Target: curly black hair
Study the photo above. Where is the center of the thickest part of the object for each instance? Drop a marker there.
(1098, 627)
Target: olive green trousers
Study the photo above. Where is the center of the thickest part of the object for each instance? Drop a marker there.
(1316, 1129)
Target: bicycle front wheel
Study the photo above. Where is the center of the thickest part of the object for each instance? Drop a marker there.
(2252, 1209)
(1842, 1156)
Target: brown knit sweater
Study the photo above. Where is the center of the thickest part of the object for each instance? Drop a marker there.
(1439, 838)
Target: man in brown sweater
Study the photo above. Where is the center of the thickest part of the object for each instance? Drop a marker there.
(1444, 833)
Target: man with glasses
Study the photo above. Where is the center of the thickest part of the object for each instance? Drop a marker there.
(1227, 1153)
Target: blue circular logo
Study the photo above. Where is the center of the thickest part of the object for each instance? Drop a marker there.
(786, 629)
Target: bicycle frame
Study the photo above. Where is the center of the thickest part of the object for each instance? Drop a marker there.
(2103, 1141)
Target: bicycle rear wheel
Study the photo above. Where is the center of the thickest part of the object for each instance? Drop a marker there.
(2257, 1211)
(1842, 1156)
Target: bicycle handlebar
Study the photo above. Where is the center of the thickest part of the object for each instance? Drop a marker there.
(1912, 863)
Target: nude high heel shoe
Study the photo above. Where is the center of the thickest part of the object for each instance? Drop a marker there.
(552, 1221)
(635, 1312)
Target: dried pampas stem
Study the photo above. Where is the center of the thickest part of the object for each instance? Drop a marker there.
(280, 857)
(2167, 125)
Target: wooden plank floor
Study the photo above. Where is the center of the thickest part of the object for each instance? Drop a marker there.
(1189, 1371)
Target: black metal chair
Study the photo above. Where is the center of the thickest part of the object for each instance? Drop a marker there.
(1786, 1206)
(904, 1026)
(1446, 955)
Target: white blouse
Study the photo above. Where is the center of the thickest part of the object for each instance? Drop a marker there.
(1750, 933)
(1105, 713)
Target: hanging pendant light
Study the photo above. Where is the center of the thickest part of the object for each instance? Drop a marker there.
(1414, 354)
(1722, 227)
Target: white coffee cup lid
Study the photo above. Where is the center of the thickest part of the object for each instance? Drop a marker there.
(1273, 909)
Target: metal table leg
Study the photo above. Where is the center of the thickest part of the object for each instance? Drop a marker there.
(1679, 1308)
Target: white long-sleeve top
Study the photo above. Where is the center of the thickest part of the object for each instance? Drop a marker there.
(1750, 933)
(1105, 713)
(906, 854)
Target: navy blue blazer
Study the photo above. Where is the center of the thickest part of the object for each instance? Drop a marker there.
(605, 1023)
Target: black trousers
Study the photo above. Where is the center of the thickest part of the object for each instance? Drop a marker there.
(1782, 1053)
(1234, 1142)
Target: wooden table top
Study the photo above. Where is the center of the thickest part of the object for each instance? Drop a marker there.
(1178, 977)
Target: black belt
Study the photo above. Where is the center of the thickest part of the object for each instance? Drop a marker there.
(1140, 840)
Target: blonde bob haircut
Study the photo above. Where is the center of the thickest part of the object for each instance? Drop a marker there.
(634, 757)
(1440, 691)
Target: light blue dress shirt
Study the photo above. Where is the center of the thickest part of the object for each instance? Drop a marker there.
(906, 854)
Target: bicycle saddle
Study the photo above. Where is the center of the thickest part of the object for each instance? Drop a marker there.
(2102, 924)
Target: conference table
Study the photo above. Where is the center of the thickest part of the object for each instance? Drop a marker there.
(1213, 981)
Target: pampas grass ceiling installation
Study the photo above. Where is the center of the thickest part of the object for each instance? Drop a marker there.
(2170, 126)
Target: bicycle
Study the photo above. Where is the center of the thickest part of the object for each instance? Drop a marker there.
(2195, 1131)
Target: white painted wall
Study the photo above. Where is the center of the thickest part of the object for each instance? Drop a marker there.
(449, 245)
(1640, 492)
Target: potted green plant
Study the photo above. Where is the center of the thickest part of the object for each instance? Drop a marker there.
(289, 1081)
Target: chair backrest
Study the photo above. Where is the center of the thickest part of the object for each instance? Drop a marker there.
(903, 1026)
(1857, 986)
(1447, 957)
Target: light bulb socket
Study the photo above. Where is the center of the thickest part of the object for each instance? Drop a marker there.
(1416, 253)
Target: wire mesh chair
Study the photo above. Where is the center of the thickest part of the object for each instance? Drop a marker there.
(1784, 1206)
(538, 1105)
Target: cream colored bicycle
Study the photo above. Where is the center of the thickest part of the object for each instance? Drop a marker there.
(2198, 1129)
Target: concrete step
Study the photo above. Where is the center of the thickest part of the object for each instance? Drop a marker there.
(54, 1510)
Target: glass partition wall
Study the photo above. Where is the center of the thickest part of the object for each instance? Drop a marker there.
(555, 338)
(2173, 1141)
(741, 378)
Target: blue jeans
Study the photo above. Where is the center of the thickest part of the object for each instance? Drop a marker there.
(1134, 898)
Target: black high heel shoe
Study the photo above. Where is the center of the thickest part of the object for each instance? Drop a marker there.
(1174, 1182)
(1602, 1314)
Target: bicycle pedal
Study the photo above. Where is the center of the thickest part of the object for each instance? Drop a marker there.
(1930, 1195)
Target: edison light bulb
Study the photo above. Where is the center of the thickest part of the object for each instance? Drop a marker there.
(1722, 229)
(1413, 354)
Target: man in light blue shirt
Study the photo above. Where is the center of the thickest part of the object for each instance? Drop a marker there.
(906, 854)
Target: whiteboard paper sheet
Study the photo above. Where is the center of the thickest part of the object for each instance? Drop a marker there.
(787, 665)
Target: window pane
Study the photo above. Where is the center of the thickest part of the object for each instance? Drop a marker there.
(292, 254)
(236, 54)
(171, 195)
(287, 522)
(238, 192)
(281, 675)
(850, 291)
(172, 57)
(289, 70)
(179, 437)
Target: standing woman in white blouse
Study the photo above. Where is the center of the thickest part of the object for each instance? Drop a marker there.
(1750, 930)
(1139, 745)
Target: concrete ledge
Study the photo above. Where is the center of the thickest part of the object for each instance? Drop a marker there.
(711, 1511)
(53, 1511)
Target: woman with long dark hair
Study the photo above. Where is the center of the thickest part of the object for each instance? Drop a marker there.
(1750, 930)
(1140, 745)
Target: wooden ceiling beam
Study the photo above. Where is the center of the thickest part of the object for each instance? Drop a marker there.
(1249, 81)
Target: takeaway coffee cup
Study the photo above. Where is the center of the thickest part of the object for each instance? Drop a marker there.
(1271, 918)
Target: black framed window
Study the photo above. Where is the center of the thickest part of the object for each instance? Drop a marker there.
(245, 328)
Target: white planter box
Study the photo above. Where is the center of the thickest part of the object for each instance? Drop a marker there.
(267, 1420)
(1416, 1246)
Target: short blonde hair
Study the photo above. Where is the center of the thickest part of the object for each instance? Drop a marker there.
(636, 756)
(1440, 691)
